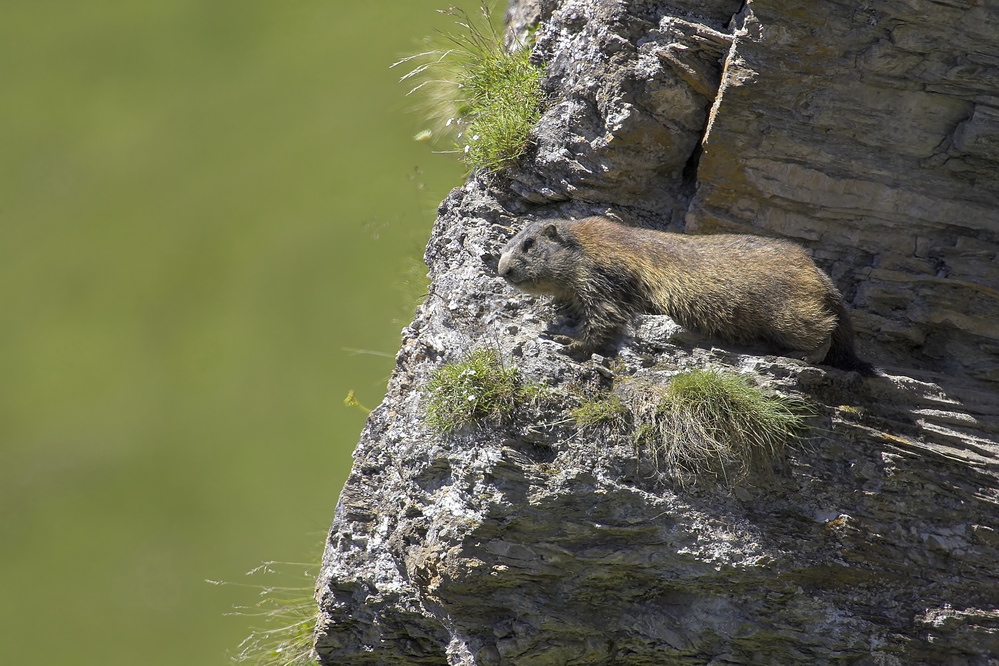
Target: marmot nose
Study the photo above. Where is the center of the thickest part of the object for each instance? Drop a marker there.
(504, 266)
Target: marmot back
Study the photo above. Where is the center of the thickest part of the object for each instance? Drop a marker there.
(744, 289)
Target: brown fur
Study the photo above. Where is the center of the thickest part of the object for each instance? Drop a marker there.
(743, 289)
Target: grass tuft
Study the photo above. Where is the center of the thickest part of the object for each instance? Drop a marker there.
(484, 96)
(720, 424)
(287, 615)
(605, 411)
(479, 387)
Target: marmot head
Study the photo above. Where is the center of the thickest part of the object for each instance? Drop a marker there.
(542, 259)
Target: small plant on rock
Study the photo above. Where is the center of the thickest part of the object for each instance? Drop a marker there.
(479, 387)
(487, 97)
(720, 424)
(603, 412)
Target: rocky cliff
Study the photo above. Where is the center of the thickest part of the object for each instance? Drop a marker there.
(868, 133)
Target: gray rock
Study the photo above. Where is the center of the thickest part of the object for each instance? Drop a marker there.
(868, 134)
(865, 132)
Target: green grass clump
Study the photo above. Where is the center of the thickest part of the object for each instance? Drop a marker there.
(720, 424)
(602, 412)
(478, 387)
(485, 96)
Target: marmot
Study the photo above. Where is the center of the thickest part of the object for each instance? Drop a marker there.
(743, 289)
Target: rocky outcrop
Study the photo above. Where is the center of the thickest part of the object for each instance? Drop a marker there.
(868, 134)
(871, 133)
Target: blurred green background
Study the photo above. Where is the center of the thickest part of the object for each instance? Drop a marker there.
(201, 205)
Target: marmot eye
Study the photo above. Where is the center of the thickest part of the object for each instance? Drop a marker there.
(527, 244)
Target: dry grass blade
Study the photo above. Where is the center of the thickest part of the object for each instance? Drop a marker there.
(287, 615)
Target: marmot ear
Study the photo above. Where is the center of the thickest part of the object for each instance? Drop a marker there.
(550, 231)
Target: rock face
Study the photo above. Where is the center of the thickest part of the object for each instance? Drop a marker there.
(866, 132)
